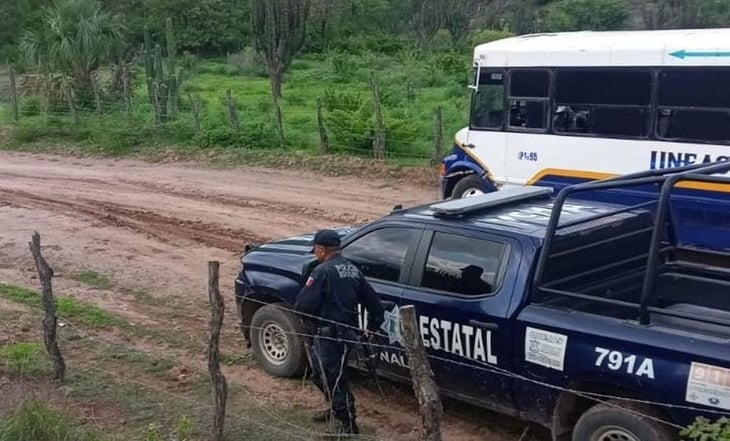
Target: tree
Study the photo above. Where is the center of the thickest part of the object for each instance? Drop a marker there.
(577, 15)
(279, 27)
(203, 26)
(426, 19)
(326, 17)
(74, 38)
(663, 14)
(17, 16)
(457, 18)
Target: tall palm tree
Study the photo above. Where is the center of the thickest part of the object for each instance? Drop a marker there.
(77, 36)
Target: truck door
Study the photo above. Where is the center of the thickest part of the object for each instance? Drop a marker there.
(461, 291)
(383, 253)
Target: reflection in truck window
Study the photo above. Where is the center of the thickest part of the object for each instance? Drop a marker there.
(380, 254)
(463, 265)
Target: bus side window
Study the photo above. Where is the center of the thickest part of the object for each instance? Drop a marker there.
(693, 105)
(603, 102)
(528, 99)
(488, 101)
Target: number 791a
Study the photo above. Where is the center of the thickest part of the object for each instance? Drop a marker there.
(616, 361)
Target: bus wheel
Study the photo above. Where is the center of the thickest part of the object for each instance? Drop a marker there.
(470, 185)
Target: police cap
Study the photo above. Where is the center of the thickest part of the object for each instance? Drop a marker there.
(327, 238)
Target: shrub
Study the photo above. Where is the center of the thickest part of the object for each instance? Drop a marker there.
(23, 358)
(256, 135)
(35, 421)
(248, 62)
(705, 430)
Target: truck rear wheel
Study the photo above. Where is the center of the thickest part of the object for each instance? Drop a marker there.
(470, 185)
(621, 421)
(277, 341)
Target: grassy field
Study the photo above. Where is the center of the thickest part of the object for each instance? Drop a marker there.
(412, 86)
(114, 391)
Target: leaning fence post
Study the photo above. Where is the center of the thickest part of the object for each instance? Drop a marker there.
(45, 274)
(424, 385)
(13, 92)
(218, 380)
(379, 138)
(232, 111)
(438, 135)
(324, 142)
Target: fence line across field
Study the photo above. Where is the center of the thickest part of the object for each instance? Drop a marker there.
(480, 366)
(65, 100)
(46, 274)
(207, 406)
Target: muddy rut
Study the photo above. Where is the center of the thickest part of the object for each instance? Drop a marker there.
(152, 227)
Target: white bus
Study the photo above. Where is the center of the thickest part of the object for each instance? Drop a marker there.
(556, 109)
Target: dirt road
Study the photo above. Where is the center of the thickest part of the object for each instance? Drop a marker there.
(152, 227)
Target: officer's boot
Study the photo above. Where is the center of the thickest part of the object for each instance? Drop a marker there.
(322, 416)
(343, 430)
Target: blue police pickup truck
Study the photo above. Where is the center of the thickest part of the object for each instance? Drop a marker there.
(588, 318)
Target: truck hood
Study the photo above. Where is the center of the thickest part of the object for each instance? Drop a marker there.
(282, 264)
(298, 245)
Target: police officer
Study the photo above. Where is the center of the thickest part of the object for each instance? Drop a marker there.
(332, 293)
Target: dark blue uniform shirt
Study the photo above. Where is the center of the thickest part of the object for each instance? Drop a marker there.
(333, 292)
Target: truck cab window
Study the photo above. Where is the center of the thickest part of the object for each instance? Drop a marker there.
(463, 265)
(488, 101)
(691, 105)
(380, 254)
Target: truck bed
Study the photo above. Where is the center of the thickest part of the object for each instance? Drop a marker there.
(688, 295)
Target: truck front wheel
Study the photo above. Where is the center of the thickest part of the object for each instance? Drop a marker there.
(470, 185)
(277, 341)
(622, 421)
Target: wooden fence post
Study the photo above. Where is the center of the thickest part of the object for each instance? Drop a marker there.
(45, 274)
(218, 380)
(324, 142)
(195, 108)
(439, 135)
(13, 92)
(379, 139)
(424, 385)
(97, 93)
(126, 89)
(232, 111)
(70, 101)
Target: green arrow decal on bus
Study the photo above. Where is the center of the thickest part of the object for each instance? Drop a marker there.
(686, 54)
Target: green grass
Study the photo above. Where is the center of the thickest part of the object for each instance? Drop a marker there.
(92, 278)
(412, 86)
(37, 421)
(140, 361)
(66, 307)
(24, 359)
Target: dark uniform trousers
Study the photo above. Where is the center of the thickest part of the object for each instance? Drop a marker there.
(332, 294)
(329, 371)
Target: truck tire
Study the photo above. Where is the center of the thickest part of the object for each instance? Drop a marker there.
(470, 185)
(277, 341)
(606, 422)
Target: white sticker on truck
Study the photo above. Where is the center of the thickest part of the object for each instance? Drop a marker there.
(709, 385)
(545, 348)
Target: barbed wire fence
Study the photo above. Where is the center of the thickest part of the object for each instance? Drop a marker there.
(282, 425)
(121, 108)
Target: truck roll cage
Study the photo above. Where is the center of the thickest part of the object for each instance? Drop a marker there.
(663, 238)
